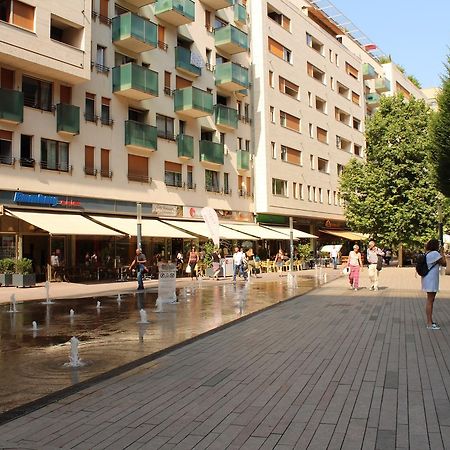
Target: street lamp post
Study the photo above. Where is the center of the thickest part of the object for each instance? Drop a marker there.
(139, 225)
(291, 242)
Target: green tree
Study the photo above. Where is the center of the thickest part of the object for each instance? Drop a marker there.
(391, 196)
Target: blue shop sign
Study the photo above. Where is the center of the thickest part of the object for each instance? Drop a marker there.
(36, 199)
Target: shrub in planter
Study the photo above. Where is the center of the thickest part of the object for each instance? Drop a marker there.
(6, 271)
(23, 275)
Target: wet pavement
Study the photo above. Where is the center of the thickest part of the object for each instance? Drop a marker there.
(32, 361)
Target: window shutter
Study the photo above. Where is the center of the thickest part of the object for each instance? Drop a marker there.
(23, 15)
(276, 48)
(7, 81)
(104, 155)
(182, 83)
(137, 165)
(89, 157)
(172, 167)
(65, 94)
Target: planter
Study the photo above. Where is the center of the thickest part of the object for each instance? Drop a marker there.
(20, 280)
(6, 279)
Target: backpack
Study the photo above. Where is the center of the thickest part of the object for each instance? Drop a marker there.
(422, 265)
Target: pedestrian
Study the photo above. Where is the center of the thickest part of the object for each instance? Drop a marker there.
(216, 263)
(192, 262)
(250, 256)
(373, 256)
(139, 262)
(237, 263)
(180, 261)
(430, 282)
(334, 256)
(279, 261)
(355, 265)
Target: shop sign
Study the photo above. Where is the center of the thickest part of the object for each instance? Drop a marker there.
(329, 224)
(165, 210)
(43, 200)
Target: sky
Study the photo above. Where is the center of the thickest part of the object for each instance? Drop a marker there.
(415, 33)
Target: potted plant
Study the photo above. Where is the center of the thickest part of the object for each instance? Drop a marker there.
(23, 275)
(6, 271)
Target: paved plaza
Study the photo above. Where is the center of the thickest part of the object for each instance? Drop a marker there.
(332, 369)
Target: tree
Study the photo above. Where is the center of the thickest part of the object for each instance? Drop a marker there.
(391, 196)
(440, 135)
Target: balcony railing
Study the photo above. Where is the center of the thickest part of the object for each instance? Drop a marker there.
(230, 39)
(382, 85)
(106, 173)
(240, 14)
(185, 145)
(138, 177)
(372, 100)
(211, 152)
(141, 135)
(67, 118)
(134, 33)
(91, 171)
(135, 82)
(175, 12)
(183, 62)
(8, 160)
(368, 71)
(89, 117)
(231, 76)
(58, 167)
(226, 117)
(11, 106)
(27, 162)
(212, 188)
(243, 160)
(193, 102)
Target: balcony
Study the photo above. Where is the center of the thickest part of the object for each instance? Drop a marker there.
(11, 106)
(243, 160)
(140, 3)
(67, 119)
(368, 71)
(226, 117)
(217, 4)
(372, 100)
(211, 152)
(382, 85)
(185, 145)
(193, 102)
(183, 62)
(135, 82)
(140, 136)
(134, 33)
(240, 14)
(175, 12)
(231, 77)
(231, 40)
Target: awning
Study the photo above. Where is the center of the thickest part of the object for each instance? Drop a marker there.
(258, 232)
(200, 228)
(328, 248)
(349, 235)
(61, 223)
(150, 227)
(297, 233)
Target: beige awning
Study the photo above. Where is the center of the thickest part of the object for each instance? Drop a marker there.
(150, 227)
(258, 231)
(200, 228)
(63, 223)
(349, 235)
(297, 233)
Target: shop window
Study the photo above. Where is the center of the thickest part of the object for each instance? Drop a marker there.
(63, 31)
(6, 147)
(55, 155)
(26, 151)
(212, 181)
(172, 174)
(165, 127)
(279, 187)
(37, 93)
(105, 171)
(17, 13)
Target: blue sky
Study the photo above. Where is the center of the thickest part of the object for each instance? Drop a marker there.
(415, 33)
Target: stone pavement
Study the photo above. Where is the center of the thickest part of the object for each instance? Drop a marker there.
(333, 369)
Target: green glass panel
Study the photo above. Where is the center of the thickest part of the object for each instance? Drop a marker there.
(68, 118)
(11, 105)
(369, 71)
(141, 135)
(240, 13)
(243, 160)
(130, 25)
(382, 84)
(183, 61)
(231, 72)
(212, 152)
(132, 76)
(193, 98)
(226, 116)
(185, 7)
(185, 146)
(373, 98)
(231, 34)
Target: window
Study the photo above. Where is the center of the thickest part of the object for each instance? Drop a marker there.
(289, 121)
(54, 155)
(301, 193)
(247, 113)
(208, 25)
(104, 13)
(339, 169)
(17, 13)
(279, 18)
(226, 183)
(288, 88)
(6, 147)
(357, 150)
(219, 23)
(167, 83)
(343, 144)
(89, 156)
(322, 135)
(37, 93)
(356, 124)
(162, 38)
(316, 73)
(89, 113)
(273, 148)
(291, 155)
(239, 109)
(104, 163)
(138, 168)
(352, 71)
(332, 83)
(320, 195)
(314, 194)
(239, 143)
(26, 151)
(343, 90)
(314, 43)
(311, 130)
(402, 89)
(294, 190)
(63, 31)
(100, 61)
(310, 197)
(330, 55)
(7, 78)
(190, 178)
(272, 114)
(279, 187)
(355, 98)
(323, 165)
(172, 174)
(342, 116)
(280, 50)
(335, 198)
(247, 145)
(310, 99)
(165, 127)
(271, 79)
(209, 65)
(106, 112)
(321, 105)
(65, 94)
(311, 162)
(329, 196)
(212, 181)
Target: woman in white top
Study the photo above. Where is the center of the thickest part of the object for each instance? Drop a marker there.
(430, 282)
(355, 264)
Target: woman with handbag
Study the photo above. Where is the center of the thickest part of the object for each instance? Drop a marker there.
(192, 262)
(355, 265)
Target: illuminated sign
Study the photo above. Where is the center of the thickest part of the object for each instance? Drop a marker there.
(43, 200)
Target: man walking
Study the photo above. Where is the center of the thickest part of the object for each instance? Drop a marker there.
(334, 256)
(372, 259)
(139, 261)
(237, 262)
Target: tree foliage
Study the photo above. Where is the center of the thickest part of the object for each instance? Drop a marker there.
(391, 196)
(415, 81)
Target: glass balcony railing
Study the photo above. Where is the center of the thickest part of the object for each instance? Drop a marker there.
(134, 33)
(382, 85)
(231, 39)
(183, 58)
(134, 81)
(240, 14)
(243, 160)
(231, 76)
(211, 152)
(11, 106)
(193, 102)
(218, 4)
(226, 117)
(67, 119)
(185, 146)
(368, 71)
(175, 12)
(372, 100)
(141, 135)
